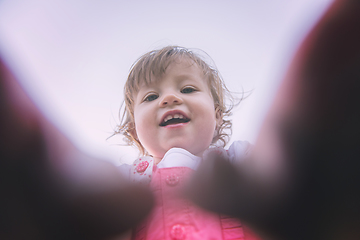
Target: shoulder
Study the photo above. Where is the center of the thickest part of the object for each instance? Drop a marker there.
(139, 170)
(125, 170)
(236, 152)
(239, 150)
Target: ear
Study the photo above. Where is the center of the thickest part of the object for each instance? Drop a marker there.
(218, 117)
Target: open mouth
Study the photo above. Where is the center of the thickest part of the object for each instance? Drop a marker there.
(173, 119)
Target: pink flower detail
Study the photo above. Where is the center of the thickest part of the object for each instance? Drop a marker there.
(142, 166)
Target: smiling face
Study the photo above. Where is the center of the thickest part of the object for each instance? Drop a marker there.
(176, 110)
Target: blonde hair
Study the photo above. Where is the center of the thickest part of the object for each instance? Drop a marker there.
(153, 65)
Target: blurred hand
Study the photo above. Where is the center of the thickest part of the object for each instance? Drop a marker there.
(303, 178)
(50, 190)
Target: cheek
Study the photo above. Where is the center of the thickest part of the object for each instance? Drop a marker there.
(145, 126)
(209, 112)
(208, 122)
(206, 133)
(140, 124)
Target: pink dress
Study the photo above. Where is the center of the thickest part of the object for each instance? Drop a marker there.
(174, 217)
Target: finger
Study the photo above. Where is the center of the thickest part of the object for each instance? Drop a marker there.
(236, 190)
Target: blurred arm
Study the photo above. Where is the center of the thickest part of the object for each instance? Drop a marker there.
(303, 178)
(49, 189)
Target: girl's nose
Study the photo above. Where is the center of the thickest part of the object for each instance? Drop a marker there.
(170, 99)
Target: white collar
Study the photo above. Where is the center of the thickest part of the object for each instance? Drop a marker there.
(178, 157)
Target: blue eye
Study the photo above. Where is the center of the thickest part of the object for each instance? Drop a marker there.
(150, 97)
(188, 90)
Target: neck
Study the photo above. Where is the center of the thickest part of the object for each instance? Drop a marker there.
(157, 160)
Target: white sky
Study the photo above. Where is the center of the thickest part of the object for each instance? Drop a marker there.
(73, 56)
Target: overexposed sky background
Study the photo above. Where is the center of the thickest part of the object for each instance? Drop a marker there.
(73, 57)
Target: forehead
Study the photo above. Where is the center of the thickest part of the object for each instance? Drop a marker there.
(179, 70)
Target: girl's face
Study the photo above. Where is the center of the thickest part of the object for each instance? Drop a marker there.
(177, 110)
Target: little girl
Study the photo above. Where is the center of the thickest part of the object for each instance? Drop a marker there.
(174, 111)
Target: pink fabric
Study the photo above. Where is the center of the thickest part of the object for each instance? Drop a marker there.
(174, 217)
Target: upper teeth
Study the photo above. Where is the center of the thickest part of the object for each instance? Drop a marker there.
(168, 117)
